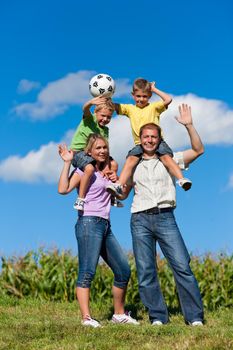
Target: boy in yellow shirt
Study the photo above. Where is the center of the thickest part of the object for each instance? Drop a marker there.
(140, 114)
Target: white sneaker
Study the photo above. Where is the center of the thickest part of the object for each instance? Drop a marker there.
(196, 323)
(90, 322)
(115, 189)
(116, 203)
(186, 184)
(79, 204)
(157, 323)
(124, 319)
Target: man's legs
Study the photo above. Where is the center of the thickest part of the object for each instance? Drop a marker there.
(174, 249)
(144, 250)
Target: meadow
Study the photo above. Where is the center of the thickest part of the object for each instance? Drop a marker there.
(38, 308)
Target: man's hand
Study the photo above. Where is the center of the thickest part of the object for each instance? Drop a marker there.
(65, 154)
(185, 116)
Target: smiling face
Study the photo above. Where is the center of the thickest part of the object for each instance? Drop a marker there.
(150, 140)
(103, 116)
(141, 98)
(99, 151)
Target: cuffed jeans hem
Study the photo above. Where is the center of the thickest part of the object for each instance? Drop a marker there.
(120, 285)
(83, 285)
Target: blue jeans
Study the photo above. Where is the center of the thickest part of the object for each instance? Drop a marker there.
(95, 239)
(146, 230)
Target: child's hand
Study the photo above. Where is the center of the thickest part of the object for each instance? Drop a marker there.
(185, 116)
(152, 85)
(65, 154)
(111, 175)
(98, 100)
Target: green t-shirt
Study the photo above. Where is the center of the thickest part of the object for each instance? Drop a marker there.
(87, 126)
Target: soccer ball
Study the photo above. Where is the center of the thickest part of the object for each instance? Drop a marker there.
(102, 85)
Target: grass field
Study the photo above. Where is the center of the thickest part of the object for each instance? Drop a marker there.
(31, 324)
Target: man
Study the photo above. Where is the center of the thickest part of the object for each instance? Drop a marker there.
(153, 220)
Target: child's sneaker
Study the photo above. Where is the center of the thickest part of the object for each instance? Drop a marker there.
(186, 184)
(116, 203)
(124, 319)
(90, 322)
(79, 204)
(115, 189)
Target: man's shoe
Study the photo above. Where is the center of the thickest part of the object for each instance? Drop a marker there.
(196, 323)
(124, 319)
(186, 184)
(157, 323)
(90, 322)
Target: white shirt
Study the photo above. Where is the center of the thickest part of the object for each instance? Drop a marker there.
(153, 185)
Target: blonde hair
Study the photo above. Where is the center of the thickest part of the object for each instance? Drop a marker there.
(91, 140)
(107, 104)
(142, 84)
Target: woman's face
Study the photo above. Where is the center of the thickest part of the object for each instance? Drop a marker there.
(99, 151)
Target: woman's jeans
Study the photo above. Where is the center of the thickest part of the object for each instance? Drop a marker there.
(95, 239)
(146, 230)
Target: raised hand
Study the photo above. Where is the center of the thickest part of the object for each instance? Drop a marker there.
(65, 154)
(185, 116)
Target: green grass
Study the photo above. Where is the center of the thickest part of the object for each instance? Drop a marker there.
(33, 324)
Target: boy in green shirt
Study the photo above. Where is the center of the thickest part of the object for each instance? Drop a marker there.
(91, 123)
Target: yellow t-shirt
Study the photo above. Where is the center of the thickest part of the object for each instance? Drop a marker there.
(141, 116)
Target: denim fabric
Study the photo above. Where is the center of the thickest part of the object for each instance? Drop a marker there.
(146, 230)
(81, 159)
(137, 151)
(163, 149)
(95, 239)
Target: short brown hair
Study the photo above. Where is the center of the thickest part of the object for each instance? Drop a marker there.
(107, 104)
(92, 138)
(142, 84)
(151, 126)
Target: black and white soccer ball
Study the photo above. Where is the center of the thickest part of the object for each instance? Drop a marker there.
(102, 85)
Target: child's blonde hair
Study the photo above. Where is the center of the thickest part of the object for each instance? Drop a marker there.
(142, 84)
(92, 138)
(107, 104)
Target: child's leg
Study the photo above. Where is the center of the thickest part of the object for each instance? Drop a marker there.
(174, 170)
(84, 183)
(127, 172)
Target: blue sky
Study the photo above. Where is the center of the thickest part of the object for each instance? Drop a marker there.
(50, 50)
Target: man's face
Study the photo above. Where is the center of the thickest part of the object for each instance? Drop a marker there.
(150, 140)
(141, 98)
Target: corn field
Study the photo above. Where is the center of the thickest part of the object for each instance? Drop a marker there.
(51, 275)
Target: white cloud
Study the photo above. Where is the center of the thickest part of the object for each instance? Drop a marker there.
(37, 166)
(212, 118)
(230, 183)
(61, 94)
(26, 86)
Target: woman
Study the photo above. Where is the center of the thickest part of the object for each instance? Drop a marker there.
(93, 232)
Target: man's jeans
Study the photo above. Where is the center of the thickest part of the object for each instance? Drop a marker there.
(95, 239)
(146, 230)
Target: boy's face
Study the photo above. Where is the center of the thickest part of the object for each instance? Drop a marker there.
(103, 116)
(141, 98)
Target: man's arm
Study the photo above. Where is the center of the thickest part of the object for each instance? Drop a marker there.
(167, 99)
(93, 102)
(185, 118)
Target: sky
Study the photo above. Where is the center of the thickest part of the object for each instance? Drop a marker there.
(49, 52)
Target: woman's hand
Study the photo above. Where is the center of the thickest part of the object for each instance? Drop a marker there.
(65, 154)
